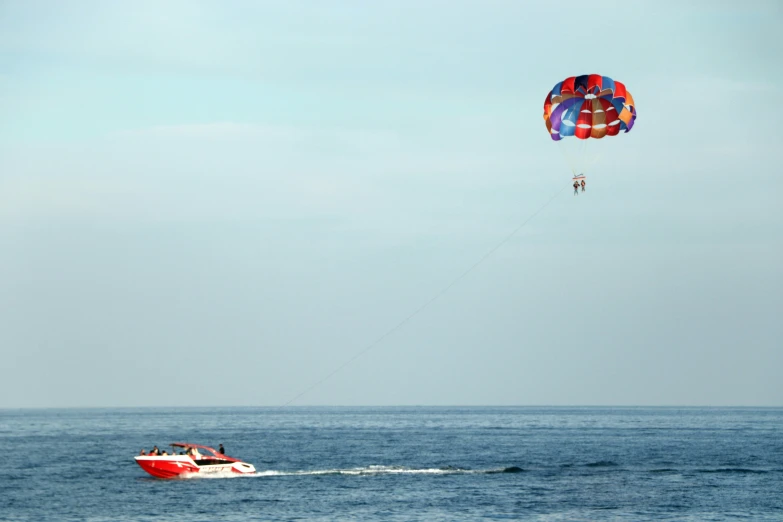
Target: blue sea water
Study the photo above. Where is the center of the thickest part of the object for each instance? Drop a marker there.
(406, 463)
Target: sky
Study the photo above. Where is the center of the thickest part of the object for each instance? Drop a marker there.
(219, 203)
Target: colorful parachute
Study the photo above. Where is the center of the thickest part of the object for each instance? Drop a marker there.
(588, 106)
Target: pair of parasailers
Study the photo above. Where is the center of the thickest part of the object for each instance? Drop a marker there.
(576, 186)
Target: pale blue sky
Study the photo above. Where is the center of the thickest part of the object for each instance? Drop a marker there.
(218, 203)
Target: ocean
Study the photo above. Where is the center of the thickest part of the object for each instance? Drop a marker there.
(400, 463)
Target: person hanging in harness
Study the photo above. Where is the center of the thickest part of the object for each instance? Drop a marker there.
(576, 188)
(583, 184)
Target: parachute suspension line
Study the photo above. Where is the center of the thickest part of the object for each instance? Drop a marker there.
(574, 150)
(431, 300)
(582, 148)
(563, 148)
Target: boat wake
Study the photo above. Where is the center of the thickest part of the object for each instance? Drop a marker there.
(387, 470)
(362, 471)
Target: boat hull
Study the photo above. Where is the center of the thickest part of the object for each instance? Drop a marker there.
(174, 466)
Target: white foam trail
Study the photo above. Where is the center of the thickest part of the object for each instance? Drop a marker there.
(369, 470)
(360, 471)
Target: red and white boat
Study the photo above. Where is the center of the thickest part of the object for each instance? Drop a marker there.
(191, 462)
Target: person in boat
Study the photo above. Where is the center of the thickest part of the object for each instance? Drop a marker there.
(583, 185)
(143, 452)
(221, 450)
(193, 453)
(155, 451)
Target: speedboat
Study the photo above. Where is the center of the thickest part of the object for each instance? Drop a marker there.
(191, 462)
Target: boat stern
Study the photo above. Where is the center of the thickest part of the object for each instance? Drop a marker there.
(243, 467)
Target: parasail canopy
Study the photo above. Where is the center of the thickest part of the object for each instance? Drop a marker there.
(588, 106)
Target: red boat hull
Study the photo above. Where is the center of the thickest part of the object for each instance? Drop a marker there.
(162, 467)
(173, 466)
